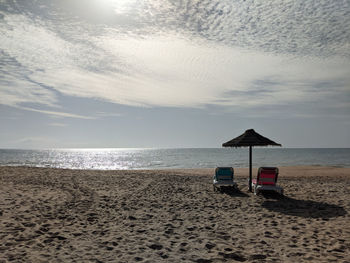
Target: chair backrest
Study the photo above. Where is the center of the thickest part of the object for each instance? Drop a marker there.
(224, 173)
(267, 175)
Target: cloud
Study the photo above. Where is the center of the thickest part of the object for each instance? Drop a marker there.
(102, 114)
(57, 124)
(169, 71)
(281, 26)
(58, 113)
(233, 54)
(17, 88)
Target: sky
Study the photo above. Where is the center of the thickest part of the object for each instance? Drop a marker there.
(173, 73)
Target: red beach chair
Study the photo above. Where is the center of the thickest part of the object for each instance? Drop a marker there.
(266, 180)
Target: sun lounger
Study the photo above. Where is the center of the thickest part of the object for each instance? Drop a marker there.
(266, 180)
(224, 177)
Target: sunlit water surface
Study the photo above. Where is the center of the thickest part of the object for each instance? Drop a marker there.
(110, 159)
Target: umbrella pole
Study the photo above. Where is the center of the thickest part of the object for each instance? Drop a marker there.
(250, 168)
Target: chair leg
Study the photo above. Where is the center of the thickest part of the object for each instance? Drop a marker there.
(256, 191)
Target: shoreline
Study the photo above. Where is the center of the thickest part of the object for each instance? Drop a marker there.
(65, 215)
(284, 171)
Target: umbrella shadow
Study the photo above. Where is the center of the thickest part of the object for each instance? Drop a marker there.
(302, 208)
(234, 192)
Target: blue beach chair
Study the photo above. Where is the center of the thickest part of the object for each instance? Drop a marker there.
(224, 178)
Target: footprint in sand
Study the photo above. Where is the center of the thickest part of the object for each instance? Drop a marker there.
(234, 256)
(156, 246)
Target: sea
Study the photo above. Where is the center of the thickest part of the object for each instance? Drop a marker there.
(153, 158)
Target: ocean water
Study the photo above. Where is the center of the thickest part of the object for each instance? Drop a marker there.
(110, 159)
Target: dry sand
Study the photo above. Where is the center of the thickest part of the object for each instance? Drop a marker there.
(54, 215)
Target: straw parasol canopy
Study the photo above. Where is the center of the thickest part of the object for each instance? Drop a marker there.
(249, 139)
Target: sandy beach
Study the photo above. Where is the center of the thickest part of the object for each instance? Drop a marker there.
(56, 215)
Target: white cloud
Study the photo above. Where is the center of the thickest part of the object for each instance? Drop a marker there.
(58, 113)
(281, 26)
(185, 69)
(102, 114)
(170, 71)
(33, 45)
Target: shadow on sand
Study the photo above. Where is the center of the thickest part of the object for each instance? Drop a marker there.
(234, 192)
(301, 208)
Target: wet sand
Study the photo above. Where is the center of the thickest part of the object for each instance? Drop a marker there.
(56, 215)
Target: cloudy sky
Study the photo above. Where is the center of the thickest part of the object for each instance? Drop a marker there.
(173, 73)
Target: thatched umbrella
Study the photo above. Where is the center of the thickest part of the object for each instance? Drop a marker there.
(250, 138)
